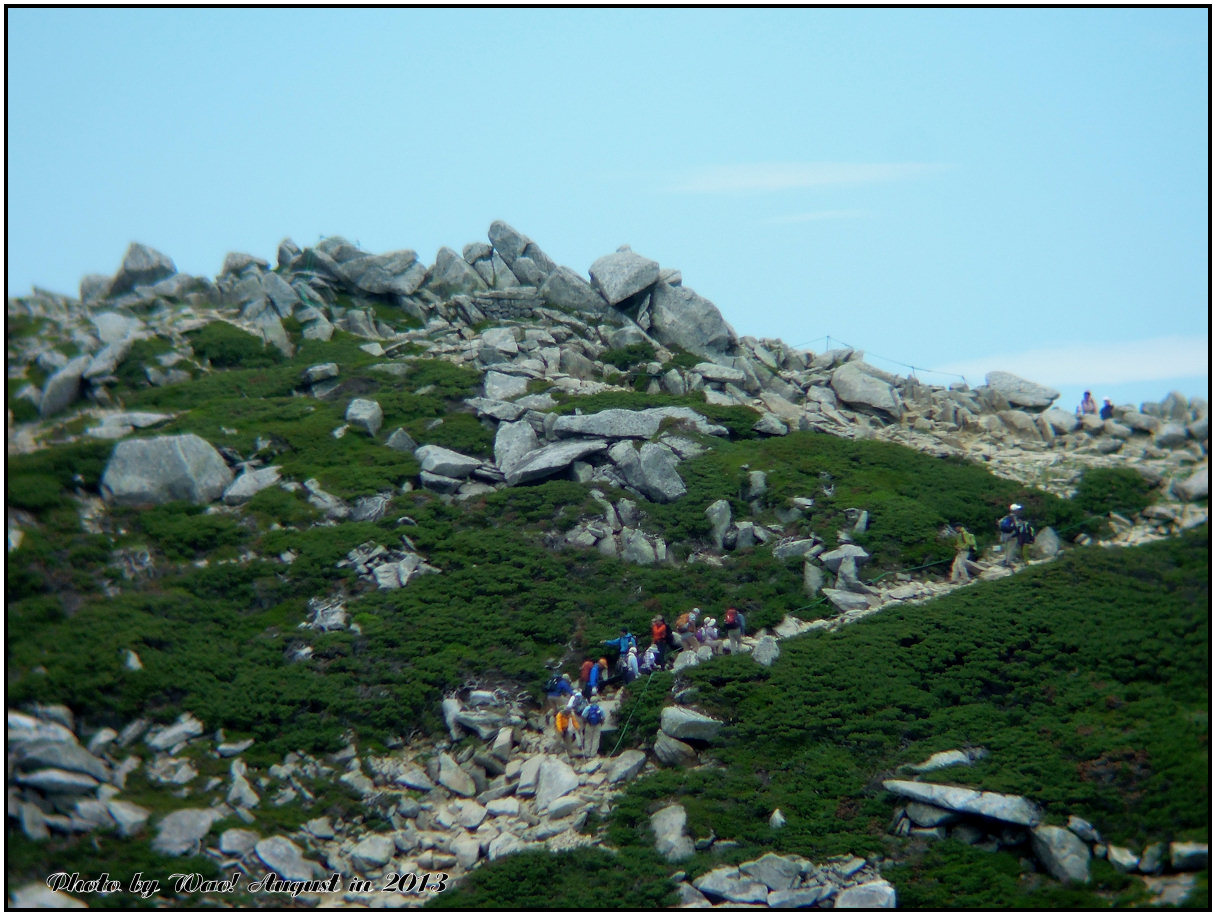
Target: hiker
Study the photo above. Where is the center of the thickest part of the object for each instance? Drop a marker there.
(597, 679)
(964, 552)
(1017, 534)
(708, 635)
(584, 674)
(631, 672)
(673, 645)
(1088, 405)
(652, 660)
(1023, 533)
(659, 634)
(733, 625)
(1007, 525)
(558, 686)
(1108, 409)
(593, 722)
(686, 629)
(567, 725)
(622, 642)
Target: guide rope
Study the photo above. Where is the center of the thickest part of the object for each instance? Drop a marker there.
(828, 341)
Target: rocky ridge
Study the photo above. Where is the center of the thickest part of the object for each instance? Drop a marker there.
(507, 310)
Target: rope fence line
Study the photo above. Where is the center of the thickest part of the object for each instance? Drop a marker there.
(632, 710)
(828, 340)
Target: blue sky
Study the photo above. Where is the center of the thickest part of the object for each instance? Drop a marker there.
(960, 190)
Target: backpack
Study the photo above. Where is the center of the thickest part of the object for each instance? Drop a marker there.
(1025, 532)
(1007, 524)
(595, 715)
(553, 685)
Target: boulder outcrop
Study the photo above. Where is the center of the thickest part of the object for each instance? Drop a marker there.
(166, 468)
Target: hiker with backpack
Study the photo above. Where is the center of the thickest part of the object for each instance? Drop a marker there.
(584, 675)
(568, 725)
(686, 629)
(1024, 533)
(597, 679)
(593, 722)
(707, 634)
(1017, 534)
(556, 688)
(631, 672)
(964, 553)
(734, 624)
(652, 661)
(623, 642)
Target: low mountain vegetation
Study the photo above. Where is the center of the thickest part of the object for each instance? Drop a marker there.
(1082, 683)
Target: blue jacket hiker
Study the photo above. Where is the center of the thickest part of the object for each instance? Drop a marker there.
(622, 643)
(599, 676)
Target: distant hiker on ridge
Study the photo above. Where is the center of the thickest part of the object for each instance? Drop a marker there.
(1088, 405)
(1108, 409)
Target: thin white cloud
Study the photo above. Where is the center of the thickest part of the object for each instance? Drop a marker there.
(1148, 360)
(816, 216)
(785, 176)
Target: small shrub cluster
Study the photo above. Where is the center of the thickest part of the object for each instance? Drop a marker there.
(183, 531)
(226, 346)
(1105, 490)
(629, 356)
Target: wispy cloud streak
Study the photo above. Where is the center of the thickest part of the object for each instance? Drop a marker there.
(816, 216)
(785, 176)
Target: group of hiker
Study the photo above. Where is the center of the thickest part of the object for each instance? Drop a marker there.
(1089, 406)
(578, 717)
(1016, 536)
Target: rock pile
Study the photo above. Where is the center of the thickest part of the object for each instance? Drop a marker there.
(441, 809)
(779, 882)
(992, 821)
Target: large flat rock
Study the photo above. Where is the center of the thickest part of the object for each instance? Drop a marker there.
(549, 460)
(1019, 392)
(1012, 809)
(622, 274)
